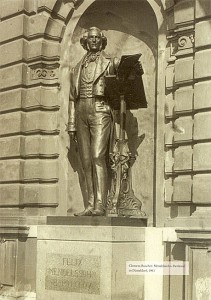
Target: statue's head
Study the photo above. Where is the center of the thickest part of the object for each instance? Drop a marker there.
(93, 40)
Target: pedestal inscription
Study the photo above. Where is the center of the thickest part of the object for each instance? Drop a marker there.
(70, 273)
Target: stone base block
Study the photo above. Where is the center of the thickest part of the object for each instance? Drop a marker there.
(88, 262)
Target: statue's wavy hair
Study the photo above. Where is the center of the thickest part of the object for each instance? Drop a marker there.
(83, 39)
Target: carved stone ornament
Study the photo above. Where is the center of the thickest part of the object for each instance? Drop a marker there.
(185, 41)
(44, 72)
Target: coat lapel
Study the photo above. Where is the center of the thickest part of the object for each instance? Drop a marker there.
(102, 64)
(77, 73)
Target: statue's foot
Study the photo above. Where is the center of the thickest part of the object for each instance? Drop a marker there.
(86, 213)
(98, 212)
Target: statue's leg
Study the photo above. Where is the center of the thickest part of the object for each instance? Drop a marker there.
(100, 130)
(84, 147)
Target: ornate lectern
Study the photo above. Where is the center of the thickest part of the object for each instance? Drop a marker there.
(125, 91)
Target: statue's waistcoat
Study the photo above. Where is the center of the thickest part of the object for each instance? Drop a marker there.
(95, 86)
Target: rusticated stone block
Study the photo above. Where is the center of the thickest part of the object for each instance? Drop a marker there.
(48, 4)
(10, 100)
(202, 92)
(169, 161)
(62, 8)
(9, 194)
(182, 189)
(184, 11)
(10, 147)
(20, 194)
(169, 105)
(29, 122)
(202, 157)
(183, 129)
(32, 26)
(10, 123)
(202, 189)
(183, 158)
(45, 98)
(43, 146)
(8, 55)
(39, 121)
(39, 194)
(42, 47)
(33, 98)
(203, 63)
(184, 70)
(203, 34)
(169, 133)
(184, 99)
(66, 8)
(13, 76)
(168, 190)
(202, 126)
(10, 170)
(11, 7)
(11, 28)
(170, 76)
(203, 8)
(42, 23)
(28, 50)
(39, 170)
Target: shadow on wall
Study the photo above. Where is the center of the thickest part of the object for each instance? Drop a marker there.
(75, 162)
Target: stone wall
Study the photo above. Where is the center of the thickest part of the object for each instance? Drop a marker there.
(31, 33)
(187, 113)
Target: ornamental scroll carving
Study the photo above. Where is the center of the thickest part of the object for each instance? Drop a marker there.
(44, 72)
(185, 41)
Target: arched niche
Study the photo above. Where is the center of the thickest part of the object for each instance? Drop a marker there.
(131, 27)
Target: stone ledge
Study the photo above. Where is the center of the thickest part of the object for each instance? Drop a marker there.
(13, 229)
(97, 221)
(89, 233)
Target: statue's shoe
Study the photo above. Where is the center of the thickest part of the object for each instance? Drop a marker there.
(86, 213)
(98, 212)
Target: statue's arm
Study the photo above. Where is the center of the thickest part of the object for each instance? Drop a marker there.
(71, 127)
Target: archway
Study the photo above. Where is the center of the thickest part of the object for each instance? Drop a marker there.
(131, 27)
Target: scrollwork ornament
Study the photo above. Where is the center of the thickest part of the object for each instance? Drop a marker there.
(44, 73)
(182, 41)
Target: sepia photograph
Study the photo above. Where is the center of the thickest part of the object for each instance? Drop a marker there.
(105, 149)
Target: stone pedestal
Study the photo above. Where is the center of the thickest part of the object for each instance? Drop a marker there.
(88, 262)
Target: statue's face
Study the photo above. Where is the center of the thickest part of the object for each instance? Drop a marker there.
(94, 40)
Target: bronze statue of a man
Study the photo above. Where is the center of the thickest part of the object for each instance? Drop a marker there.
(90, 117)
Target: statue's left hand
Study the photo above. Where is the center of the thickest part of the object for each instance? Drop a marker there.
(72, 135)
